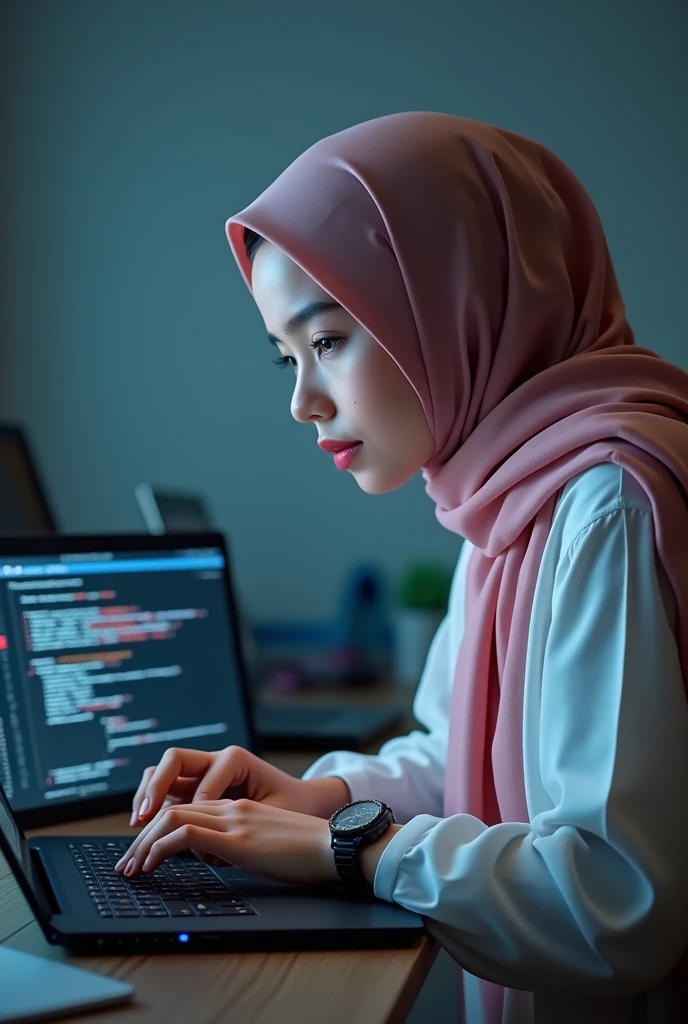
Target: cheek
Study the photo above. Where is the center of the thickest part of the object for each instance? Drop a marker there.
(370, 384)
(381, 402)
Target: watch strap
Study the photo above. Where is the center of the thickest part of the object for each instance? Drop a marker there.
(347, 852)
(347, 860)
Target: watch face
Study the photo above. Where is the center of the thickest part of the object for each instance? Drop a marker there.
(357, 816)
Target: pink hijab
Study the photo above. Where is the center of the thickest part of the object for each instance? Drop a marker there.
(477, 260)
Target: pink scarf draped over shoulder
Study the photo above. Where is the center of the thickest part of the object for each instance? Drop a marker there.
(476, 258)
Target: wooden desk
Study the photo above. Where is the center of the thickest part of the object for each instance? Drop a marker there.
(337, 987)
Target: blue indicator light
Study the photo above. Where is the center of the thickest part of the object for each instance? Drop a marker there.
(183, 937)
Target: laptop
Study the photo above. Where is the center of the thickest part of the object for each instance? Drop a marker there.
(24, 507)
(308, 726)
(106, 645)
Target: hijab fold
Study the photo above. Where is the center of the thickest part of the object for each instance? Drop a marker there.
(476, 258)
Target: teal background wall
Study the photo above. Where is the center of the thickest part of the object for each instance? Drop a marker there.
(130, 131)
(128, 344)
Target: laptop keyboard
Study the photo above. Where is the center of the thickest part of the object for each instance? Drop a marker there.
(179, 887)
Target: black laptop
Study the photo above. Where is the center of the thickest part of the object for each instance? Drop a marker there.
(113, 648)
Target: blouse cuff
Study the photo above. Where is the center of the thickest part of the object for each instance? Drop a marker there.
(401, 842)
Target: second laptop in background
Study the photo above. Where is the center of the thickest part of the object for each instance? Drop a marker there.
(346, 725)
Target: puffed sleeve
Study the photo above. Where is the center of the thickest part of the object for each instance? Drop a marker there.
(592, 894)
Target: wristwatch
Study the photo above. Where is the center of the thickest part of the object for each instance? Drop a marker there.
(352, 827)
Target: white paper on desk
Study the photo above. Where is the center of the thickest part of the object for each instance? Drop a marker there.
(32, 988)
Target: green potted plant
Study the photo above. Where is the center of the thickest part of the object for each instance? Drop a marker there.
(422, 595)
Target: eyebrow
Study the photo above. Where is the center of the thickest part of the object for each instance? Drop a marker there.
(308, 312)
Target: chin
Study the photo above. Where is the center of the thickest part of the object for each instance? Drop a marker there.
(373, 482)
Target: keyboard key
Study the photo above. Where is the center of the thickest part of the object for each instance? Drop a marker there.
(204, 907)
(126, 913)
(105, 913)
(178, 908)
(150, 912)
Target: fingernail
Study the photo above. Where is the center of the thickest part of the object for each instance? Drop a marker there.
(133, 817)
(146, 864)
(144, 807)
(120, 862)
(130, 866)
(202, 796)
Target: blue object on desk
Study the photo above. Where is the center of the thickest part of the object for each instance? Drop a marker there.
(34, 988)
(365, 627)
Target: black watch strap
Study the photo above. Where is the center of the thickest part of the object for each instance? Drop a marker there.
(346, 849)
(347, 860)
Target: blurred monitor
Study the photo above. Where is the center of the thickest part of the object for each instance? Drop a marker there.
(166, 511)
(23, 505)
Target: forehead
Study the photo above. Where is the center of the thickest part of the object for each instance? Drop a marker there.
(278, 282)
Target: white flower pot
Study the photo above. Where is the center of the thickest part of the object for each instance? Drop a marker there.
(413, 630)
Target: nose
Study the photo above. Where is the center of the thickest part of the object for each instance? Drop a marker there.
(309, 402)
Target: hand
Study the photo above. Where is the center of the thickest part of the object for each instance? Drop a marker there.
(281, 844)
(190, 776)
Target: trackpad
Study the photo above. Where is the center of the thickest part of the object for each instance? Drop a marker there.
(260, 887)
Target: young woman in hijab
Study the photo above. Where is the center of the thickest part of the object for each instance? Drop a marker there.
(444, 293)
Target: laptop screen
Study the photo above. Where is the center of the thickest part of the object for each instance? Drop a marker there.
(180, 513)
(107, 658)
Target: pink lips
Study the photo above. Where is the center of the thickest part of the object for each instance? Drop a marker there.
(344, 451)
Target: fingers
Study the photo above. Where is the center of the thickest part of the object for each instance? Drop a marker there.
(171, 813)
(170, 820)
(140, 793)
(229, 768)
(207, 840)
(180, 792)
(157, 781)
(183, 790)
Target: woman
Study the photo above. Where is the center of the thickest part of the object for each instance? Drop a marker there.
(444, 294)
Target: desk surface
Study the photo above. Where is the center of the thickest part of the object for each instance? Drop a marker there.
(366, 986)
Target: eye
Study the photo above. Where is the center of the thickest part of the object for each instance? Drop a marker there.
(327, 347)
(285, 361)
(321, 342)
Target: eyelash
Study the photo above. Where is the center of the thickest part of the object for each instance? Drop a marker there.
(289, 360)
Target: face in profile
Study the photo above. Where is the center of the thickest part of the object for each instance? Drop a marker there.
(346, 384)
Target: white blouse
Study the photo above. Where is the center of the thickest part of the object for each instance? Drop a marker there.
(582, 912)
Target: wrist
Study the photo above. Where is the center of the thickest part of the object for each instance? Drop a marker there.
(327, 795)
(370, 855)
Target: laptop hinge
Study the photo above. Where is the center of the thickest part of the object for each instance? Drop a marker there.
(43, 880)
